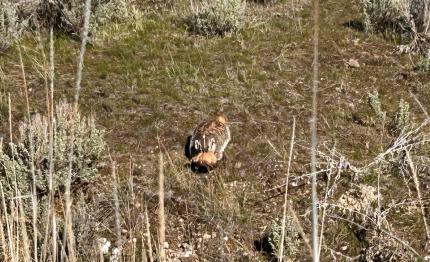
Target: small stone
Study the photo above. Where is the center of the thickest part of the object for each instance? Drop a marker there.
(187, 253)
(238, 165)
(353, 63)
(104, 245)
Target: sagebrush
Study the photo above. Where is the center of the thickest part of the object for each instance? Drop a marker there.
(67, 16)
(291, 241)
(70, 129)
(408, 18)
(217, 18)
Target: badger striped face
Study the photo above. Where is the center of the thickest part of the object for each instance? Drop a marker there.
(209, 139)
(197, 145)
(208, 145)
(212, 145)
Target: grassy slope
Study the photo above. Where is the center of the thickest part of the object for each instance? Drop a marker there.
(150, 86)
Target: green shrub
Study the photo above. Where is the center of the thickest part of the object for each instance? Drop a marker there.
(375, 104)
(291, 241)
(88, 146)
(424, 63)
(401, 119)
(218, 17)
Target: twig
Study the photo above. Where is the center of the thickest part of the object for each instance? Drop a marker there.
(419, 103)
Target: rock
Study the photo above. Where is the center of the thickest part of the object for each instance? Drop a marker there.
(353, 63)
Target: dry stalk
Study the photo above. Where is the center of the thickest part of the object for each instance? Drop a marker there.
(161, 214)
(284, 217)
(51, 146)
(417, 186)
(300, 227)
(8, 227)
(68, 198)
(148, 235)
(313, 127)
(117, 208)
(327, 193)
(32, 167)
(85, 31)
(144, 258)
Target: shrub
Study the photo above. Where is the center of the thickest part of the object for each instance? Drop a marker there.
(401, 118)
(218, 17)
(11, 26)
(424, 63)
(291, 241)
(360, 198)
(384, 248)
(18, 16)
(386, 14)
(409, 18)
(375, 104)
(88, 146)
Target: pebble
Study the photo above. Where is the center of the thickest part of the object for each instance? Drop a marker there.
(353, 63)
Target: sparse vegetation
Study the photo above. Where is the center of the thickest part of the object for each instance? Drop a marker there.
(217, 17)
